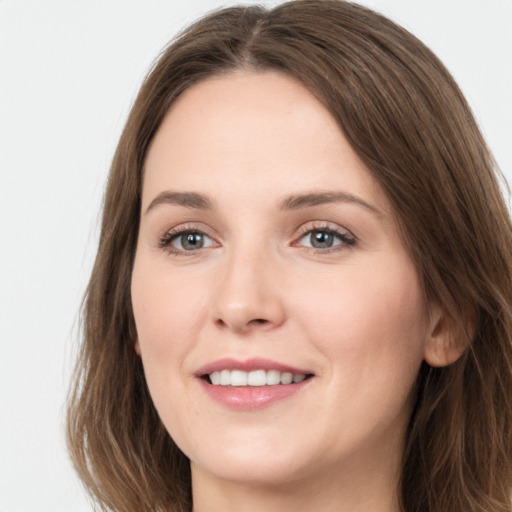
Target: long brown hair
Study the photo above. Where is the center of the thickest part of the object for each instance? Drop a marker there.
(407, 120)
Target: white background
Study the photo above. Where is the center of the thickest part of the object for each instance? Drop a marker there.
(69, 71)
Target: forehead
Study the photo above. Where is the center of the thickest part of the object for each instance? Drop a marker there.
(263, 131)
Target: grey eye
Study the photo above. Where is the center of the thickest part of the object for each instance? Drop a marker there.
(321, 239)
(191, 241)
(326, 238)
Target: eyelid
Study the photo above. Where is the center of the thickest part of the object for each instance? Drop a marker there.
(322, 225)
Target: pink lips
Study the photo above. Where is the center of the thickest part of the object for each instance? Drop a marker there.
(247, 366)
(247, 398)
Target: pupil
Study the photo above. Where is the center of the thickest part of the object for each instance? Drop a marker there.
(321, 239)
(192, 241)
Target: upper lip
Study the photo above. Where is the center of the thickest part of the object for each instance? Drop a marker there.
(249, 365)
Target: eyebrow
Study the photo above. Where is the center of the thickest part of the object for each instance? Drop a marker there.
(187, 199)
(297, 201)
(293, 202)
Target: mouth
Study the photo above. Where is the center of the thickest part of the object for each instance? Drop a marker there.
(251, 384)
(254, 378)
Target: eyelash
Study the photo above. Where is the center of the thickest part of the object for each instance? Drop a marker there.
(345, 237)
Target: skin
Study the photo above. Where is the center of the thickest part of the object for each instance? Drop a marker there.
(352, 314)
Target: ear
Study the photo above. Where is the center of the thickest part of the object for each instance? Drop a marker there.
(445, 343)
(137, 346)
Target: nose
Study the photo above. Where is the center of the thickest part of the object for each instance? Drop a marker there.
(248, 295)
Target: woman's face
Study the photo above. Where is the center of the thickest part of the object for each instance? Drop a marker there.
(267, 253)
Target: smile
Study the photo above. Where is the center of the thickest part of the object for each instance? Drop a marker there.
(251, 384)
(255, 378)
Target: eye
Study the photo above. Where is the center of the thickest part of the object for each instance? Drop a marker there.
(325, 239)
(186, 241)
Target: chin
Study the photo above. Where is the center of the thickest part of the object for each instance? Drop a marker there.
(264, 461)
(251, 470)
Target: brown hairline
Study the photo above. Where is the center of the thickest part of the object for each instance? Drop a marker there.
(405, 117)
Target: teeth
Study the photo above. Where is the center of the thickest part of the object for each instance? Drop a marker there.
(225, 377)
(256, 378)
(273, 377)
(286, 378)
(239, 378)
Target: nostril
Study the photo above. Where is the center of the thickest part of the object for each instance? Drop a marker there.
(258, 321)
(236, 325)
(220, 322)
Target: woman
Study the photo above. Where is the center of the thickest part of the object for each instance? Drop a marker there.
(302, 293)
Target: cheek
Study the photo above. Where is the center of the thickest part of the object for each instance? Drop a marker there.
(369, 326)
(369, 322)
(167, 312)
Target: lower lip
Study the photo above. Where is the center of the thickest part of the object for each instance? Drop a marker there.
(248, 398)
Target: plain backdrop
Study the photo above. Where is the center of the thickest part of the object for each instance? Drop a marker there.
(69, 71)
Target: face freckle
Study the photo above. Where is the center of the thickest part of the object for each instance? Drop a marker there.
(265, 243)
